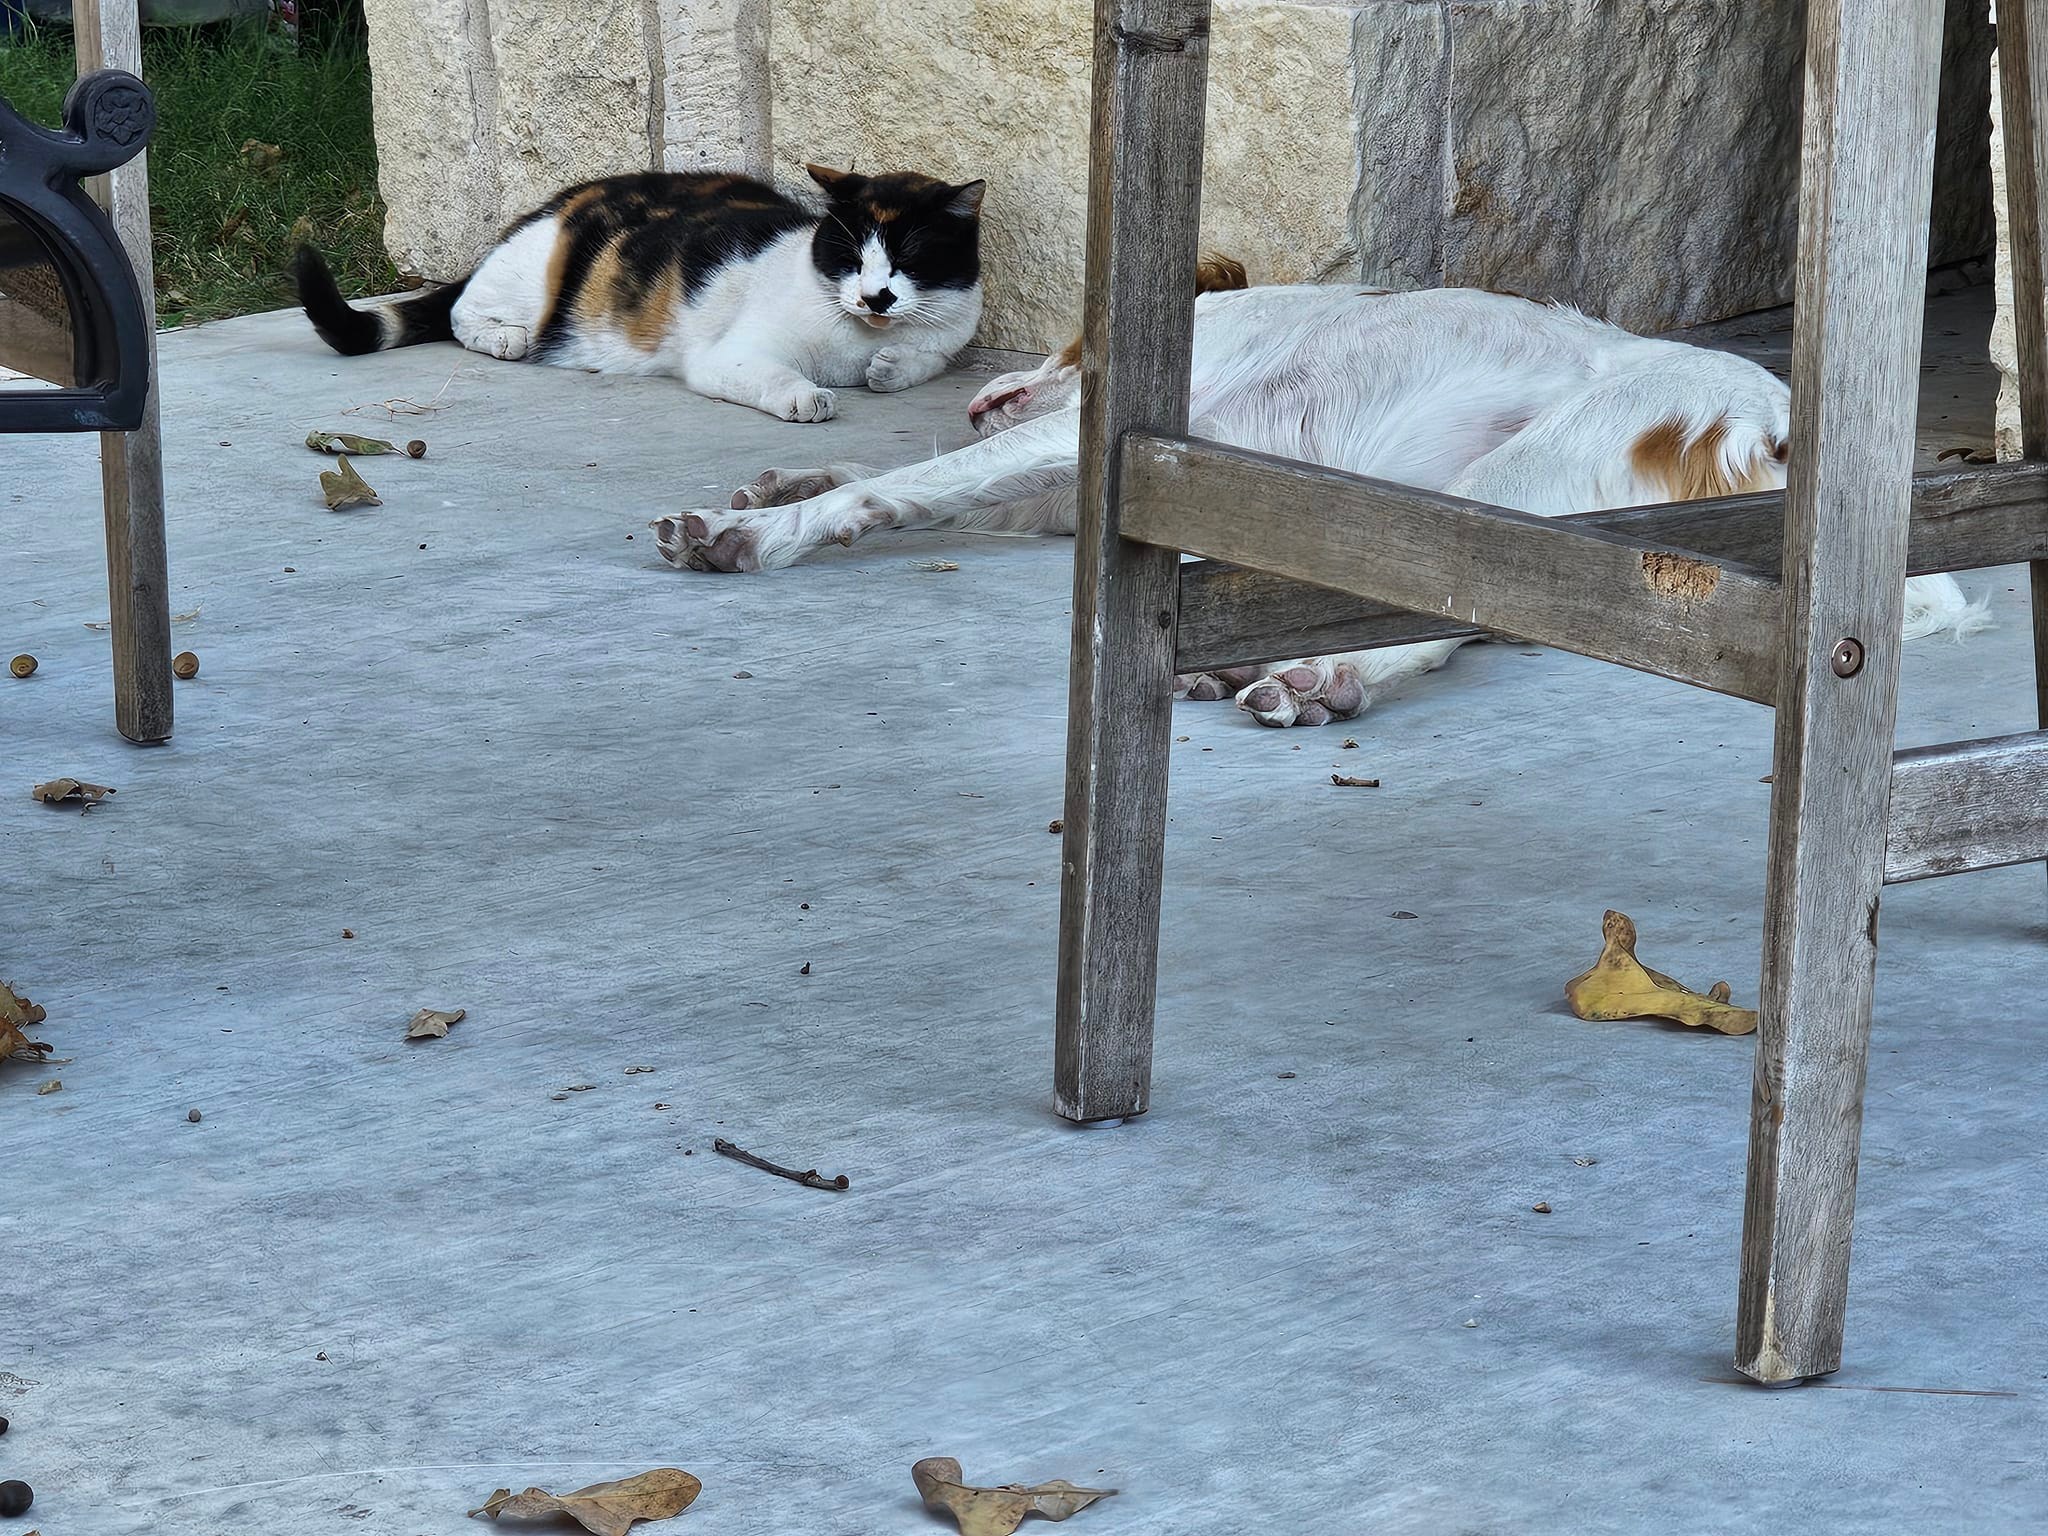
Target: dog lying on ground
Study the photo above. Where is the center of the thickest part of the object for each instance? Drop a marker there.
(1483, 395)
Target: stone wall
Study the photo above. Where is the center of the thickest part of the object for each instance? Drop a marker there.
(1637, 157)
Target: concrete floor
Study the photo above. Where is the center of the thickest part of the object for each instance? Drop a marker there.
(613, 809)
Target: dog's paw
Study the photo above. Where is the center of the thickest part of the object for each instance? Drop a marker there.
(781, 487)
(1307, 693)
(806, 402)
(1203, 687)
(891, 369)
(707, 541)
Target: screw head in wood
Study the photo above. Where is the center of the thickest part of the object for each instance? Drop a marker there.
(1847, 657)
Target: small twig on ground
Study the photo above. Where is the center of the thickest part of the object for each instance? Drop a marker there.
(809, 1176)
(400, 406)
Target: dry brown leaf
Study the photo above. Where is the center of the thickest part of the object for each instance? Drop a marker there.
(1968, 455)
(348, 442)
(428, 1024)
(262, 158)
(57, 791)
(344, 488)
(1000, 1510)
(1619, 986)
(1346, 781)
(604, 1509)
(17, 1013)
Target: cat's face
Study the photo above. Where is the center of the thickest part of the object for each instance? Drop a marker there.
(899, 247)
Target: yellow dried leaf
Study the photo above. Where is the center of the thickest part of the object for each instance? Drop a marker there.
(56, 791)
(348, 442)
(1619, 986)
(16, 1014)
(604, 1509)
(1000, 1510)
(344, 488)
(428, 1024)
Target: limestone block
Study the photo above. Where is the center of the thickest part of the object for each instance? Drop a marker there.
(434, 105)
(574, 99)
(715, 105)
(997, 89)
(1642, 160)
(486, 107)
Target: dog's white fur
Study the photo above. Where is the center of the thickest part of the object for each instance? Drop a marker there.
(1483, 395)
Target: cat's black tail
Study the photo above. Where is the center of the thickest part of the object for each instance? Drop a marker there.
(351, 331)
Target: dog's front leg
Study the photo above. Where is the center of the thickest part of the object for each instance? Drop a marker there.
(1019, 466)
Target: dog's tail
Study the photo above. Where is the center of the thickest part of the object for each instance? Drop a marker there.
(351, 331)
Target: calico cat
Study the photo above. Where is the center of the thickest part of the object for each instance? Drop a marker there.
(719, 280)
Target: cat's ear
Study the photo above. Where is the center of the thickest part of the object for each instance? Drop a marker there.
(965, 201)
(839, 185)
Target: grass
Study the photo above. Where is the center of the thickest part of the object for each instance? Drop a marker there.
(225, 221)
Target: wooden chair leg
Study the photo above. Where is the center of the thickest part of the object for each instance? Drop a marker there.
(109, 36)
(2023, 87)
(1872, 71)
(1144, 194)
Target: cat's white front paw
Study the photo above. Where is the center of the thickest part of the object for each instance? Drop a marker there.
(508, 342)
(891, 369)
(807, 402)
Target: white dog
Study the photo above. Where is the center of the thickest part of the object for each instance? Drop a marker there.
(1483, 395)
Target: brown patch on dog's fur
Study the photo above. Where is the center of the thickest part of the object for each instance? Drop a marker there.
(1689, 469)
(1220, 274)
(1213, 274)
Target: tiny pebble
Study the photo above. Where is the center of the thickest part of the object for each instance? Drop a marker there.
(291, 570)
(689, 1151)
(1057, 824)
(3, 1426)
(1349, 742)
(743, 674)
(416, 449)
(321, 1356)
(185, 666)
(192, 1115)
(805, 969)
(1283, 1075)
(1584, 1162)
(22, 666)
(1541, 1207)
(1407, 914)
(348, 933)
(803, 906)
(1471, 1322)
(52, 1086)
